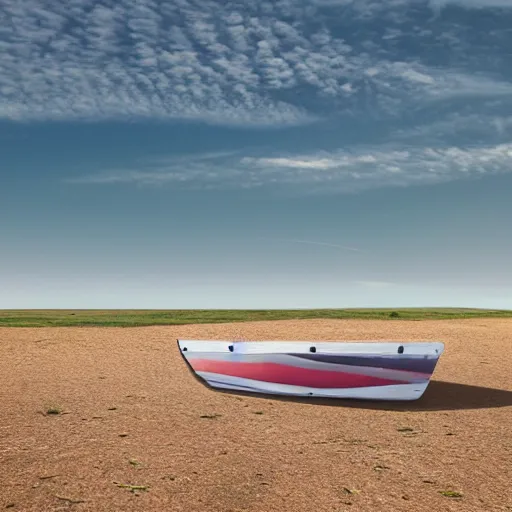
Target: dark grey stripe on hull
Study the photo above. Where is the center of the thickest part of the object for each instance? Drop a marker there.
(411, 364)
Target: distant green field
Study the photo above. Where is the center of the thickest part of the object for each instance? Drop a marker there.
(134, 318)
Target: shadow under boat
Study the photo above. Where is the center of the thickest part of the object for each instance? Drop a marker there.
(439, 396)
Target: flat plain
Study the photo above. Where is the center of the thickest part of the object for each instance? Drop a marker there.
(111, 419)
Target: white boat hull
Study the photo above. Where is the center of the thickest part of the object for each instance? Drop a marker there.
(356, 370)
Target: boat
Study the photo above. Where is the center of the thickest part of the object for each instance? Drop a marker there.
(354, 369)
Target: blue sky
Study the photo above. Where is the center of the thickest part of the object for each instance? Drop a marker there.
(288, 153)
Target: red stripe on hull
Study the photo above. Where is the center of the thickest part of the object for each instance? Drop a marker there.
(291, 375)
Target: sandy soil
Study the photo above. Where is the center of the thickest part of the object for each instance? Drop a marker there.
(134, 414)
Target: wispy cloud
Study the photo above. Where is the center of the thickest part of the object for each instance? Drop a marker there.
(343, 170)
(380, 166)
(249, 63)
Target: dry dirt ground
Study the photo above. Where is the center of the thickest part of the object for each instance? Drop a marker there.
(133, 414)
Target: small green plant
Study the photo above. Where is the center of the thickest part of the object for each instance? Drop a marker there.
(133, 488)
(451, 494)
(394, 314)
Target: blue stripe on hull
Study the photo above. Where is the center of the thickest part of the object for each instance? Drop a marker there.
(411, 364)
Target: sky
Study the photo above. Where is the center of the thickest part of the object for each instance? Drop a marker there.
(242, 154)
